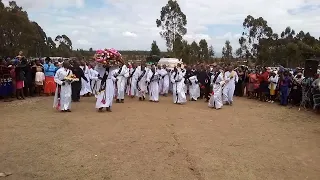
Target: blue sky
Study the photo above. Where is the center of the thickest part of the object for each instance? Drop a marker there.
(130, 25)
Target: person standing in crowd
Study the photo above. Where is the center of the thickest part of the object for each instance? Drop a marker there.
(19, 77)
(49, 72)
(5, 81)
(264, 83)
(121, 75)
(284, 85)
(142, 81)
(207, 81)
(240, 84)
(165, 76)
(296, 90)
(159, 70)
(39, 77)
(76, 86)
(153, 84)
(231, 78)
(28, 88)
(273, 81)
(132, 81)
(179, 96)
(85, 85)
(202, 76)
(62, 98)
(194, 89)
(217, 82)
(316, 93)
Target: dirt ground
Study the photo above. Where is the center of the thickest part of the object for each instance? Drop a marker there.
(160, 141)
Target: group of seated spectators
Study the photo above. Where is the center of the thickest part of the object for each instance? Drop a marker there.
(284, 86)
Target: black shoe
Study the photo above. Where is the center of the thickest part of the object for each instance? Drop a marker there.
(122, 101)
(100, 109)
(140, 98)
(108, 109)
(117, 101)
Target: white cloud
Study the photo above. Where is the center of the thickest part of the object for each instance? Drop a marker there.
(110, 26)
(129, 34)
(84, 42)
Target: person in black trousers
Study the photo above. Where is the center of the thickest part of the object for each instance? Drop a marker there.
(76, 86)
(207, 83)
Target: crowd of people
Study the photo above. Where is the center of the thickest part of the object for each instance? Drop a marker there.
(284, 86)
(216, 84)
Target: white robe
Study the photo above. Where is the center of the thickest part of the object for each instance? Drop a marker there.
(231, 79)
(105, 96)
(215, 100)
(179, 96)
(153, 85)
(94, 81)
(142, 83)
(194, 88)
(122, 81)
(65, 91)
(85, 86)
(131, 88)
(164, 82)
(185, 86)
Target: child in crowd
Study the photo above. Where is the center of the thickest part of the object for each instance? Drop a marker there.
(39, 79)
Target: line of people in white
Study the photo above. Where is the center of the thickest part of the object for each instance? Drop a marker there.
(108, 83)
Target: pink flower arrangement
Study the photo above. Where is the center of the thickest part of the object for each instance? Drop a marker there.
(107, 56)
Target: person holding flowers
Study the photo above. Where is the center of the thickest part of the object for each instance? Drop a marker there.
(63, 78)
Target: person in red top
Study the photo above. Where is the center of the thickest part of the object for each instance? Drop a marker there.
(264, 83)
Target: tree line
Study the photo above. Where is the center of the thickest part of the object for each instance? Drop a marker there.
(18, 33)
(259, 43)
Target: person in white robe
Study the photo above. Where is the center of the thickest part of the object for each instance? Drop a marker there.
(217, 81)
(153, 84)
(132, 81)
(231, 78)
(194, 88)
(142, 82)
(185, 86)
(159, 70)
(164, 80)
(179, 96)
(121, 75)
(170, 83)
(106, 87)
(85, 85)
(62, 97)
(94, 80)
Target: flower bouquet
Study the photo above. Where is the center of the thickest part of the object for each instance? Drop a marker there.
(108, 57)
(70, 78)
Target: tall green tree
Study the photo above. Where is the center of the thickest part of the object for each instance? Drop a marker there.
(203, 50)
(154, 49)
(211, 51)
(172, 22)
(227, 51)
(254, 30)
(194, 51)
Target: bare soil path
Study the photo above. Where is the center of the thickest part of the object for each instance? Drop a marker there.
(158, 141)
